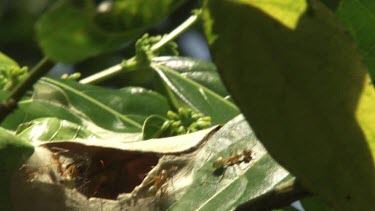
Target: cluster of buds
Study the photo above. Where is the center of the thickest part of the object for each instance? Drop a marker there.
(144, 52)
(183, 122)
(74, 76)
(11, 77)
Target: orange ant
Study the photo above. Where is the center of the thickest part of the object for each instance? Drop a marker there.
(160, 180)
(70, 174)
(222, 163)
(67, 173)
(69, 169)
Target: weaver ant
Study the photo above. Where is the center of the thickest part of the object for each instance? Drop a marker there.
(73, 173)
(222, 163)
(160, 180)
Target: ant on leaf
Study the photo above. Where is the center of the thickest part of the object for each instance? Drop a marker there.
(221, 164)
(159, 182)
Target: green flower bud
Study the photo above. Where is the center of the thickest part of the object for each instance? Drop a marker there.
(206, 119)
(203, 124)
(181, 130)
(194, 125)
(184, 113)
(176, 124)
(65, 76)
(196, 116)
(74, 76)
(174, 130)
(166, 125)
(172, 115)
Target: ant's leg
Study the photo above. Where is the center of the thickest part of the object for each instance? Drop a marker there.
(233, 150)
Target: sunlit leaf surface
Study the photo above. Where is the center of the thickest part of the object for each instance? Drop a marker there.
(304, 91)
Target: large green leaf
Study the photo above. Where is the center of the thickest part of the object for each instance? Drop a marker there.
(50, 129)
(180, 78)
(133, 14)
(224, 190)
(29, 109)
(299, 80)
(14, 151)
(204, 73)
(314, 203)
(121, 110)
(71, 31)
(332, 4)
(45, 108)
(17, 117)
(359, 18)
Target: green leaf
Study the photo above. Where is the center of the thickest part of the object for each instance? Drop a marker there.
(51, 129)
(223, 190)
(14, 151)
(121, 110)
(17, 117)
(359, 18)
(331, 4)
(314, 203)
(71, 31)
(133, 14)
(31, 109)
(299, 80)
(185, 92)
(44, 108)
(204, 73)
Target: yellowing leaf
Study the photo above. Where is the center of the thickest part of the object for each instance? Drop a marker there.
(287, 12)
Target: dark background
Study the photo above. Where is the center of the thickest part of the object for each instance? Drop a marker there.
(18, 41)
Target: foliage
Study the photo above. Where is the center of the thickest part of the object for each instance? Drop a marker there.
(358, 18)
(10, 73)
(183, 122)
(285, 95)
(14, 152)
(71, 31)
(290, 69)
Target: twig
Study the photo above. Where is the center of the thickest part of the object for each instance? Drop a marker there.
(131, 63)
(281, 196)
(109, 72)
(9, 104)
(177, 31)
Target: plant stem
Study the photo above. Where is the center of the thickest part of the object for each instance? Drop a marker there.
(9, 104)
(109, 72)
(281, 196)
(131, 64)
(176, 32)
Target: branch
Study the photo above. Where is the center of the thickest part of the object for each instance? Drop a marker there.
(177, 31)
(132, 63)
(9, 104)
(281, 196)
